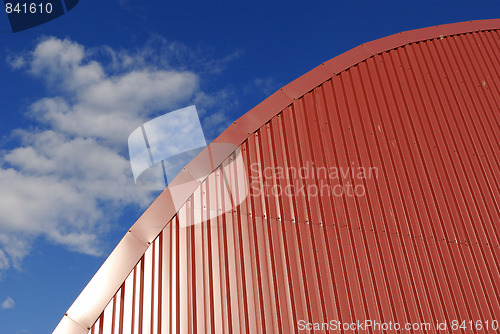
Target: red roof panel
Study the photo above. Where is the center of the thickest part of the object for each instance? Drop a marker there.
(389, 154)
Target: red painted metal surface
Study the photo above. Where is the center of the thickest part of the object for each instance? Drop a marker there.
(410, 124)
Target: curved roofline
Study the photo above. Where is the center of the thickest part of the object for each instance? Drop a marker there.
(103, 286)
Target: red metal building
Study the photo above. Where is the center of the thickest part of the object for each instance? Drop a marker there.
(367, 189)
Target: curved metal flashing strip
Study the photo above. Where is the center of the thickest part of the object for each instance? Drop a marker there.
(101, 289)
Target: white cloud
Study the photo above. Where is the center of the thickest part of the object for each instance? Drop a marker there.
(267, 86)
(69, 174)
(16, 246)
(61, 63)
(4, 261)
(8, 304)
(16, 62)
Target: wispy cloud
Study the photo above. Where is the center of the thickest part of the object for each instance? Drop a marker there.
(8, 304)
(4, 261)
(68, 174)
(267, 86)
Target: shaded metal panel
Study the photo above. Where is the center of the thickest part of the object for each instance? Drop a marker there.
(419, 245)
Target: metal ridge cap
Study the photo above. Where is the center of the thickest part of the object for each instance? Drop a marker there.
(422, 34)
(165, 207)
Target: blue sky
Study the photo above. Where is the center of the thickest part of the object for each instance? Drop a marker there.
(74, 88)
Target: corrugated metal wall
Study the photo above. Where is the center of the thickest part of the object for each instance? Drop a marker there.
(393, 170)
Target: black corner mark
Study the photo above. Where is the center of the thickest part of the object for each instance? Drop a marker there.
(70, 4)
(26, 14)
